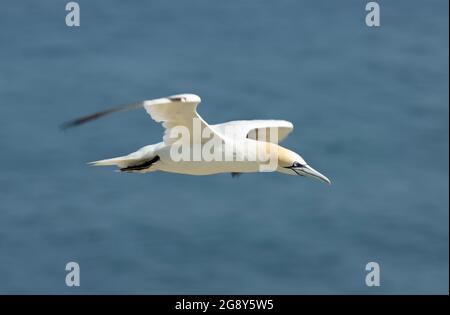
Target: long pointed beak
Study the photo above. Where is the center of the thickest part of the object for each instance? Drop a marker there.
(309, 171)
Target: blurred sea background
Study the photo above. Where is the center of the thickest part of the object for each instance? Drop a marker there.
(370, 108)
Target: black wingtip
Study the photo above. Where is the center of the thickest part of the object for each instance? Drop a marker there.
(83, 120)
(69, 124)
(235, 174)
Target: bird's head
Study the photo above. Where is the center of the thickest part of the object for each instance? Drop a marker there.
(291, 163)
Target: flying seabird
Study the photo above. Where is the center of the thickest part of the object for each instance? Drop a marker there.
(192, 146)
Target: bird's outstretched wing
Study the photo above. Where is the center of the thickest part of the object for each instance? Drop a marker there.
(173, 111)
(263, 130)
(180, 111)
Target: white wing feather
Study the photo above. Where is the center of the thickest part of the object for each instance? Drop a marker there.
(255, 129)
(172, 114)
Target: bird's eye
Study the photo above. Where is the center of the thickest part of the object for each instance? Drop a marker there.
(297, 164)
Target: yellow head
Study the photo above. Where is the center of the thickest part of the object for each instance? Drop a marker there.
(291, 163)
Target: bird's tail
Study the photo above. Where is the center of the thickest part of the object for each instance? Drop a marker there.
(139, 161)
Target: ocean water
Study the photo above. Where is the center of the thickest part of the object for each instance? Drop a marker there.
(370, 108)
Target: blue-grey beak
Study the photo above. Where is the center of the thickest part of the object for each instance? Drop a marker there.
(306, 170)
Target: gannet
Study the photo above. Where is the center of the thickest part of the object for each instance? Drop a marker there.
(192, 146)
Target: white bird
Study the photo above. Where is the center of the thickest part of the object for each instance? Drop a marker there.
(232, 147)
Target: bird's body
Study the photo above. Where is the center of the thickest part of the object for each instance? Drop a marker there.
(191, 146)
(133, 162)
